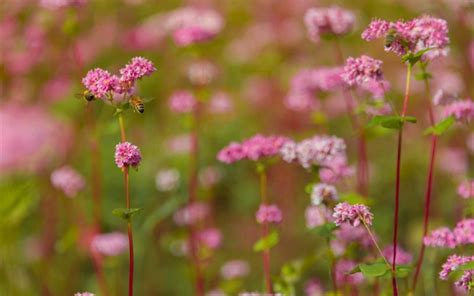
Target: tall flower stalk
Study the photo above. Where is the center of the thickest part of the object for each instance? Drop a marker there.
(266, 252)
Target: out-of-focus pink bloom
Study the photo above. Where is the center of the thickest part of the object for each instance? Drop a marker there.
(342, 269)
(464, 232)
(379, 108)
(179, 144)
(235, 269)
(323, 192)
(470, 142)
(28, 145)
(338, 246)
(191, 214)
(363, 69)
(332, 20)
(209, 176)
(191, 35)
(137, 68)
(452, 263)
(56, 89)
(313, 287)
(167, 179)
(403, 257)
(268, 214)
(211, 238)
(101, 83)
(202, 72)
(57, 4)
(68, 180)
(347, 234)
(461, 110)
(84, 294)
(335, 170)
(221, 103)
(182, 101)
(465, 282)
(470, 53)
(316, 216)
(376, 88)
(442, 237)
(454, 161)
(127, 154)
(442, 98)
(466, 189)
(253, 148)
(110, 244)
(352, 214)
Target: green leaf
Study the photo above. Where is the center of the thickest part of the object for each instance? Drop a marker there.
(126, 214)
(374, 270)
(309, 188)
(440, 127)
(423, 76)
(467, 266)
(325, 230)
(402, 271)
(391, 122)
(266, 242)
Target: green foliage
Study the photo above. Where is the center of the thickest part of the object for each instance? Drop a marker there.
(390, 122)
(326, 230)
(267, 242)
(441, 127)
(126, 214)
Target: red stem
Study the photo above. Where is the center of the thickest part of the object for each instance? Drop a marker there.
(266, 252)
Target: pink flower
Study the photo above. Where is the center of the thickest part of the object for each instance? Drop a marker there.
(191, 35)
(127, 154)
(376, 29)
(202, 72)
(363, 69)
(461, 110)
(464, 232)
(268, 214)
(101, 83)
(352, 214)
(211, 238)
(442, 98)
(328, 21)
(232, 153)
(316, 216)
(403, 257)
(137, 68)
(234, 269)
(179, 144)
(209, 176)
(452, 263)
(441, 237)
(182, 101)
(335, 170)
(465, 281)
(84, 294)
(313, 287)
(68, 180)
(466, 189)
(191, 214)
(110, 244)
(167, 179)
(347, 234)
(254, 148)
(323, 192)
(342, 269)
(221, 103)
(58, 4)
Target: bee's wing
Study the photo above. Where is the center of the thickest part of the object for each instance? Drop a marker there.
(148, 99)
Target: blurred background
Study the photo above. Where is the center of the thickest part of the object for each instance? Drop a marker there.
(47, 46)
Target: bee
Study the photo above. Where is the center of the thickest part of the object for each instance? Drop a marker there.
(86, 96)
(390, 38)
(137, 104)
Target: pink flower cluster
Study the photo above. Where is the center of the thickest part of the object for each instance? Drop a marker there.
(452, 263)
(234, 269)
(403, 257)
(268, 214)
(323, 192)
(211, 238)
(352, 214)
(202, 72)
(316, 216)
(127, 154)
(442, 98)
(315, 151)
(68, 180)
(466, 189)
(326, 21)
(84, 294)
(102, 84)
(466, 280)
(255, 148)
(191, 214)
(461, 110)
(335, 170)
(110, 244)
(412, 36)
(58, 4)
(361, 70)
(443, 237)
(347, 234)
(182, 101)
(342, 269)
(313, 287)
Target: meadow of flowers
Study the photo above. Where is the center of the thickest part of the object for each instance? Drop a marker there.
(218, 148)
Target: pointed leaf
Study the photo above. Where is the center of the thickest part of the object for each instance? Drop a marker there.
(126, 214)
(374, 270)
(440, 127)
(266, 242)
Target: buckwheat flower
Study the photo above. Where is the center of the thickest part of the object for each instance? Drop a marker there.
(209, 176)
(179, 144)
(332, 20)
(68, 180)
(323, 192)
(58, 4)
(221, 103)
(452, 263)
(464, 232)
(300, 101)
(167, 179)
(182, 101)
(254, 148)
(347, 234)
(442, 238)
(442, 98)
(342, 269)
(466, 189)
(101, 83)
(127, 154)
(110, 244)
(461, 110)
(288, 151)
(352, 214)
(191, 214)
(376, 29)
(268, 214)
(202, 72)
(313, 287)
(235, 269)
(403, 257)
(319, 150)
(466, 280)
(335, 170)
(316, 216)
(232, 153)
(137, 68)
(211, 238)
(363, 69)
(84, 294)
(191, 35)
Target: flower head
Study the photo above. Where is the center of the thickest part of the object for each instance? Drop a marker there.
(328, 21)
(68, 180)
(191, 214)
(442, 237)
(137, 68)
(101, 83)
(452, 263)
(363, 69)
(254, 149)
(466, 280)
(323, 192)
(316, 216)
(84, 294)
(464, 232)
(352, 214)
(167, 179)
(313, 287)
(461, 110)
(110, 244)
(466, 189)
(202, 72)
(268, 214)
(127, 154)
(403, 257)
(234, 269)
(342, 269)
(376, 29)
(211, 238)
(182, 101)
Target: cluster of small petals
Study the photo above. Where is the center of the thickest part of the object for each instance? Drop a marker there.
(84, 294)
(68, 180)
(466, 280)
(110, 244)
(461, 110)
(347, 234)
(191, 214)
(316, 216)
(363, 69)
(403, 257)
(259, 294)
(442, 238)
(466, 189)
(202, 72)
(352, 214)
(234, 269)
(191, 35)
(137, 68)
(323, 192)
(464, 232)
(127, 154)
(211, 238)
(452, 263)
(268, 214)
(101, 83)
(167, 179)
(57, 4)
(328, 21)
(254, 148)
(221, 103)
(442, 98)
(182, 101)
(376, 29)
(342, 269)
(313, 287)
(335, 170)
(376, 88)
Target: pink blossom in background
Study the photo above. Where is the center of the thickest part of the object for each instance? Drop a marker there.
(84, 294)
(352, 214)
(342, 269)
(454, 161)
(167, 179)
(58, 4)
(452, 263)
(190, 35)
(313, 287)
(68, 180)
(379, 108)
(461, 110)
(211, 238)
(182, 101)
(347, 234)
(442, 98)
(363, 69)
(466, 189)
(235, 269)
(325, 21)
(127, 154)
(336, 170)
(323, 192)
(209, 176)
(464, 232)
(403, 257)
(202, 72)
(179, 144)
(268, 214)
(253, 148)
(442, 238)
(56, 89)
(470, 142)
(110, 244)
(316, 216)
(191, 214)
(221, 103)
(376, 88)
